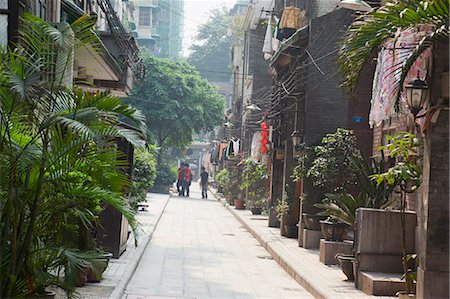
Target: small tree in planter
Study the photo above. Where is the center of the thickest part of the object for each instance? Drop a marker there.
(332, 168)
(404, 177)
(254, 182)
(223, 181)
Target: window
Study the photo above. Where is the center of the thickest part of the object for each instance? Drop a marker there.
(41, 9)
(3, 22)
(145, 16)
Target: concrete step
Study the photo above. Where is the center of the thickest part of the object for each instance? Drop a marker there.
(380, 284)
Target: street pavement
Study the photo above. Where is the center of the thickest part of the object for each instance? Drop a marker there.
(199, 250)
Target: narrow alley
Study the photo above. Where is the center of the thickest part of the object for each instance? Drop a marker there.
(199, 250)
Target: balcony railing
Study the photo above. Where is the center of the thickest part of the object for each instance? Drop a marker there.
(125, 41)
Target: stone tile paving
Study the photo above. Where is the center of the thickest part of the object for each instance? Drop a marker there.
(118, 269)
(302, 264)
(200, 251)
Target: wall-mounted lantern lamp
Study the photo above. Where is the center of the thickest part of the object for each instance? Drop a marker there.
(296, 138)
(416, 94)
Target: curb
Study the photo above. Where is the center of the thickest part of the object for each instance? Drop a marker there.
(119, 290)
(283, 261)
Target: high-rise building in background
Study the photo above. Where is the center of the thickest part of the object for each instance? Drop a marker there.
(158, 25)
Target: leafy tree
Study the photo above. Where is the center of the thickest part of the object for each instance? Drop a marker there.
(211, 53)
(176, 101)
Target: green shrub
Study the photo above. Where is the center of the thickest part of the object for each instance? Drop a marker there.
(165, 174)
(332, 168)
(144, 174)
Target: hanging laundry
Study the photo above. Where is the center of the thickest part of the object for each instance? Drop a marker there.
(256, 146)
(275, 40)
(236, 144)
(267, 47)
(222, 147)
(290, 18)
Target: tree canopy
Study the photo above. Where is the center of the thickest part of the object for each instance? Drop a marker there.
(211, 53)
(177, 102)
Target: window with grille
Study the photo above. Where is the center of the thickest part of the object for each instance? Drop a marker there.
(145, 16)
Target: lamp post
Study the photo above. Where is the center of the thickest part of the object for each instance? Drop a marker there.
(416, 94)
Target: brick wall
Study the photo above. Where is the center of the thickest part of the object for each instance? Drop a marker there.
(433, 272)
(326, 102)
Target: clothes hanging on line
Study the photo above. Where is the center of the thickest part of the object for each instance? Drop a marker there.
(236, 145)
(290, 18)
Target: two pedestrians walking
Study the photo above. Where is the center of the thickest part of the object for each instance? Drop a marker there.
(184, 179)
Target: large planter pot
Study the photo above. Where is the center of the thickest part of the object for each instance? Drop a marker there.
(82, 277)
(346, 262)
(239, 204)
(291, 231)
(164, 189)
(312, 221)
(256, 210)
(93, 276)
(332, 231)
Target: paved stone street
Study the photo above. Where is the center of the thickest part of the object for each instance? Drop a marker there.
(199, 250)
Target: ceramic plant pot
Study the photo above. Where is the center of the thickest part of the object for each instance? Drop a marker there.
(346, 262)
(312, 221)
(256, 211)
(333, 231)
(291, 231)
(239, 204)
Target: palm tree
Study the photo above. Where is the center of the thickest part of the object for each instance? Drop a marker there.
(58, 157)
(370, 31)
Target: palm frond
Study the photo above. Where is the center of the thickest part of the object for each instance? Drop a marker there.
(370, 31)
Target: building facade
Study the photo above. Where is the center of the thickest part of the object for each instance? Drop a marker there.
(158, 25)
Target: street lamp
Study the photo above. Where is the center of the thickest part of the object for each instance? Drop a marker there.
(416, 93)
(296, 138)
(358, 5)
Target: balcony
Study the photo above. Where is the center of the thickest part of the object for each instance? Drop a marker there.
(116, 64)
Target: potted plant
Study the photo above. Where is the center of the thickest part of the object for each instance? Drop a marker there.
(333, 230)
(254, 181)
(342, 207)
(223, 181)
(404, 177)
(282, 209)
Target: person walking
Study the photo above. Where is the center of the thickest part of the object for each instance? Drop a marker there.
(180, 181)
(204, 182)
(187, 179)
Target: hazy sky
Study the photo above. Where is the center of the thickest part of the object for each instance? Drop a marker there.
(196, 13)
